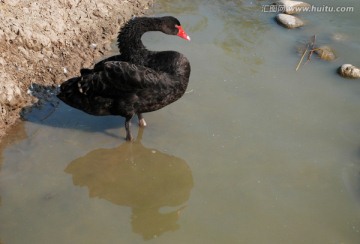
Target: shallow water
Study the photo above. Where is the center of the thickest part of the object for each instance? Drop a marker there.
(255, 152)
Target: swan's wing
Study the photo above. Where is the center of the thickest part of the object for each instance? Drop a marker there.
(122, 77)
(125, 75)
(100, 65)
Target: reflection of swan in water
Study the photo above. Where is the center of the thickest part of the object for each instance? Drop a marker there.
(141, 178)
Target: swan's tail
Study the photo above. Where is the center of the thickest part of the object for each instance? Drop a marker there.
(69, 92)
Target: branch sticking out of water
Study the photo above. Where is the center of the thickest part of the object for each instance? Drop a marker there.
(312, 43)
(310, 47)
(302, 57)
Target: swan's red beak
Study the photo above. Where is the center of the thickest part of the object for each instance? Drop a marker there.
(182, 33)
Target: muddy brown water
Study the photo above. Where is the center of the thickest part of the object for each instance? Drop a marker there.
(253, 153)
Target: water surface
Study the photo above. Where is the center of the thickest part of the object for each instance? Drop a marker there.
(254, 152)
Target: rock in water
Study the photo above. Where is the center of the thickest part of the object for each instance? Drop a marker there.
(289, 21)
(325, 53)
(349, 71)
(292, 7)
(339, 37)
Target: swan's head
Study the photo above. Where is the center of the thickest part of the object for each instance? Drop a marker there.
(172, 26)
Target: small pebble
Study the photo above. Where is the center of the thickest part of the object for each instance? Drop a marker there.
(339, 37)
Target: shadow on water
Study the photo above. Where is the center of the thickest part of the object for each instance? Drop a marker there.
(51, 111)
(144, 179)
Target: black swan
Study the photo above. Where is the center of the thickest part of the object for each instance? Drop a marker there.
(136, 81)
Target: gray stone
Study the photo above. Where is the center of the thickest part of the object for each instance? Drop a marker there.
(289, 21)
(349, 71)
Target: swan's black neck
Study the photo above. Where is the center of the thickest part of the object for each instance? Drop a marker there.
(129, 38)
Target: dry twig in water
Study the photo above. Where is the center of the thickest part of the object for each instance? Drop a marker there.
(310, 46)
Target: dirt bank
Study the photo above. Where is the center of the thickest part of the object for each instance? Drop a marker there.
(46, 42)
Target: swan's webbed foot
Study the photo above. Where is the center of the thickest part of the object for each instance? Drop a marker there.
(129, 137)
(142, 122)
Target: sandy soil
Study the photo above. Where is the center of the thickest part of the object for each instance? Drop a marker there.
(46, 42)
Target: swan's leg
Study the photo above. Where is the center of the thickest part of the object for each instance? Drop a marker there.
(127, 128)
(142, 122)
